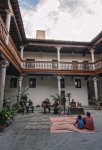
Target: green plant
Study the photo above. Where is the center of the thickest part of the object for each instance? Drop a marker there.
(23, 91)
(3, 117)
(58, 97)
(95, 101)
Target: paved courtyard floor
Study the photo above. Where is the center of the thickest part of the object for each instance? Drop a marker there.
(18, 137)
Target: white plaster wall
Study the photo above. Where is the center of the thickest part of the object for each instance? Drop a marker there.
(40, 56)
(10, 92)
(48, 86)
(78, 94)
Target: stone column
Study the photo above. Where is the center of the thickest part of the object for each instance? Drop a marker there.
(20, 79)
(95, 87)
(8, 20)
(93, 58)
(58, 56)
(22, 49)
(59, 84)
(2, 81)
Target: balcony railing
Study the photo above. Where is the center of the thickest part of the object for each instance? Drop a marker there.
(14, 51)
(3, 30)
(63, 65)
(98, 64)
(12, 48)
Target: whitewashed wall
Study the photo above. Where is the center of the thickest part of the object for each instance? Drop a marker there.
(48, 86)
(40, 56)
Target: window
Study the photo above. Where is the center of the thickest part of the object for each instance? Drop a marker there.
(78, 83)
(13, 83)
(32, 83)
(62, 83)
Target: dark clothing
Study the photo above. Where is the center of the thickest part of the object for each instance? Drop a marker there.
(30, 105)
(46, 104)
(73, 104)
(56, 107)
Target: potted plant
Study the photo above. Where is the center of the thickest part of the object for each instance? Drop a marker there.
(96, 102)
(3, 119)
(58, 97)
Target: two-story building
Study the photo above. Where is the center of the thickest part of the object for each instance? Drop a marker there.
(46, 66)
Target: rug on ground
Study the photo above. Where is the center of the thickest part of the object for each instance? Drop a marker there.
(39, 122)
(65, 124)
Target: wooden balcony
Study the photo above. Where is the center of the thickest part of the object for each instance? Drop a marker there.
(54, 66)
(9, 51)
(3, 30)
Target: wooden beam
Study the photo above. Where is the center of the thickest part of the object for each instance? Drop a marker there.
(11, 9)
(56, 45)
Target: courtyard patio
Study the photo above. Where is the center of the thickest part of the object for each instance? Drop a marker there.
(25, 133)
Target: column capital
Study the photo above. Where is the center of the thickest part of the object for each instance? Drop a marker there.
(4, 63)
(8, 11)
(92, 50)
(21, 77)
(22, 47)
(58, 48)
(59, 77)
(95, 79)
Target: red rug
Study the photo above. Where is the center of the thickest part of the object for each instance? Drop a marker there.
(65, 124)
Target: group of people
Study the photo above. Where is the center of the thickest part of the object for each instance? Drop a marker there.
(85, 122)
(58, 108)
(27, 105)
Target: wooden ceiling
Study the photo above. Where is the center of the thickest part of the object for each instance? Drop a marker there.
(16, 28)
(17, 32)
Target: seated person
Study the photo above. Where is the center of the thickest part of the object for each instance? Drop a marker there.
(46, 104)
(80, 122)
(21, 107)
(73, 103)
(89, 123)
(56, 103)
(29, 104)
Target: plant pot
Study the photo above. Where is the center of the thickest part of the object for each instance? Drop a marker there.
(2, 127)
(98, 107)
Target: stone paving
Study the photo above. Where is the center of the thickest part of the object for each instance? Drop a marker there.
(16, 137)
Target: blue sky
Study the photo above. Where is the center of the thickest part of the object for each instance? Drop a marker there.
(71, 20)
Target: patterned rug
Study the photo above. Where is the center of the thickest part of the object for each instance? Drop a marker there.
(39, 122)
(65, 124)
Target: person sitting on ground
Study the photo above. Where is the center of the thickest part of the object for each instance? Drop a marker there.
(89, 123)
(46, 104)
(79, 122)
(73, 103)
(29, 104)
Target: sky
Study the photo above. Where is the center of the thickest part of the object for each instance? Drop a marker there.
(70, 20)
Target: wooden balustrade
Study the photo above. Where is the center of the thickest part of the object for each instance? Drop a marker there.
(98, 64)
(51, 65)
(12, 48)
(14, 51)
(3, 30)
